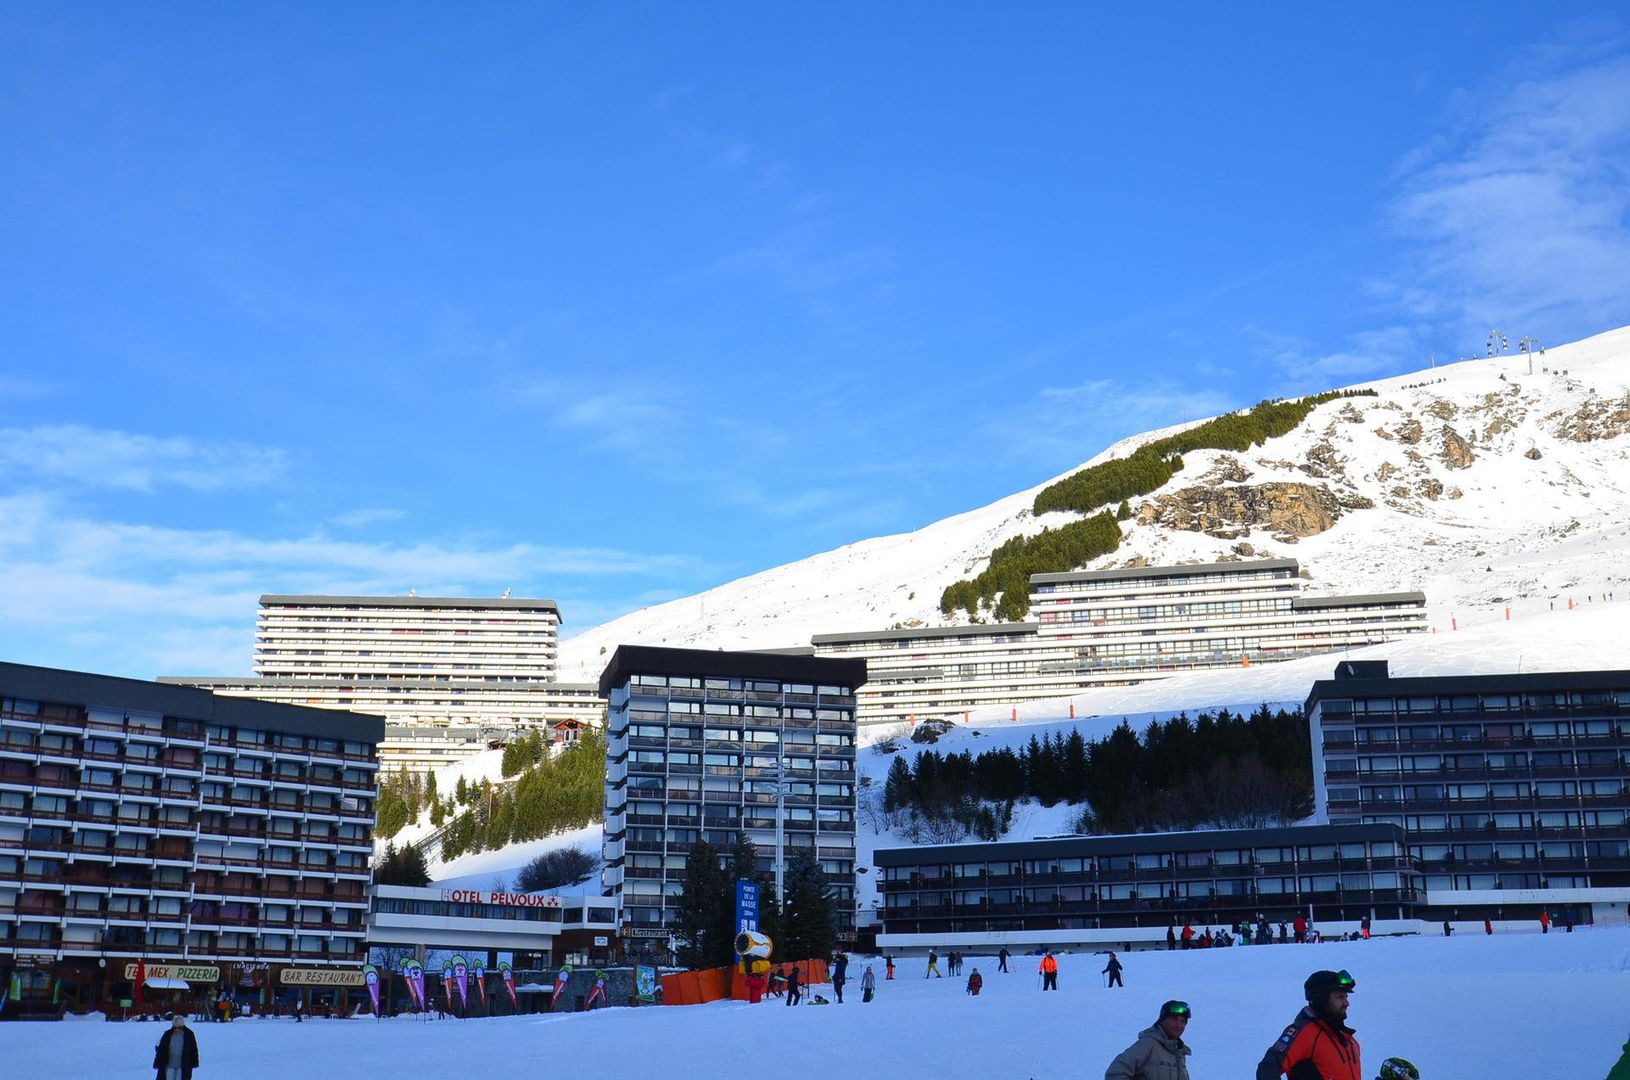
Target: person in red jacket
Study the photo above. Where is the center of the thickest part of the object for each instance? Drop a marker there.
(1301, 929)
(1318, 1044)
(1049, 972)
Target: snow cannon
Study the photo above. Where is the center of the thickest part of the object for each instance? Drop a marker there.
(752, 945)
(754, 950)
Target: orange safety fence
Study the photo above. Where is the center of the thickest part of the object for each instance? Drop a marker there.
(716, 984)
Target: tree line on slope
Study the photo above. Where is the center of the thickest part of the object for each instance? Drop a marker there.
(551, 795)
(1003, 587)
(1217, 770)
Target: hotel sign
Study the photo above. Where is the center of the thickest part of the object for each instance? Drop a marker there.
(187, 972)
(319, 977)
(506, 899)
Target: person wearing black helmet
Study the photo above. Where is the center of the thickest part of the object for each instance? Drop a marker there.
(1318, 1044)
(1160, 1052)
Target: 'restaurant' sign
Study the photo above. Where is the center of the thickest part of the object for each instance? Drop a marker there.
(508, 899)
(189, 972)
(319, 977)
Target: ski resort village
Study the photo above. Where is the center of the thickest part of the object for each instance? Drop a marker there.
(488, 582)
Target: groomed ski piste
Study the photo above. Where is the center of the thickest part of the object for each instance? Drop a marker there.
(1471, 1007)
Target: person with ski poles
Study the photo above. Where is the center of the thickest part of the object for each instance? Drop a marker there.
(1113, 970)
(1318, 1044)
(1001, 959)
(1159, 1052)
(1049, 971)
(793, 991)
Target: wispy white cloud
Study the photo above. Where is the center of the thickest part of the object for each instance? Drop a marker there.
(1366, 354)
(364, 516)
(14, 388)
(1519, 215)
(168, 598)
(103, 458)
(1062, 425)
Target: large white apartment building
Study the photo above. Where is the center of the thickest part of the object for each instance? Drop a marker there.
(406, 637)
(1106, 627)
(477, 667)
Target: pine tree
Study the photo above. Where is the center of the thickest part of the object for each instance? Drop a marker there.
(808, 923)
(698, 915)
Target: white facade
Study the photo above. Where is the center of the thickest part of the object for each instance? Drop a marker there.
(479, 667)
(396, 638)
(1107, 627)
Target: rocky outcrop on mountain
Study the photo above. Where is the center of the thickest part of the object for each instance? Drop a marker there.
(1409, 432)
(1456, 452)
(1599, 418)
(1442, 410)
(1533, 454)
(1287, 510)
(1228, 470)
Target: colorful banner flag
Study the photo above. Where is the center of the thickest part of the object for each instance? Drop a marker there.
(370, 975)
(461, 976)
(481, 984)
(447, 983)
(413, 972)
(560, 985)
(141, 979)
(599, 990)
(508, 975)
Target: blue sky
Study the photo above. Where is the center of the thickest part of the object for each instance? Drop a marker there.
(612, 303)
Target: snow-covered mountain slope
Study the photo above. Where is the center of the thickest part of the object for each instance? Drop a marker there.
(1479, 483)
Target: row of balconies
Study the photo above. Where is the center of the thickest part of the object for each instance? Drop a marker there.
(1487, 803)
(1159, 875)
(1450, 774)
(1252, 902)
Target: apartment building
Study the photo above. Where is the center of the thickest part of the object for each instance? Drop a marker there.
(462, 639)
(703, 744)
(216, 841)
(1107, 627)
(1107, 891)
(478, 667)
(1514, 789)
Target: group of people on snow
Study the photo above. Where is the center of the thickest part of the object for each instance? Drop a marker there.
(1316, 1045)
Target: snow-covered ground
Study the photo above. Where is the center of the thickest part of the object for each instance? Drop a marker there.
(1508, 1007)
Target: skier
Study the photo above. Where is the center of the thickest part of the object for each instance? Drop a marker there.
(840, 975)
(1318, 1044)
(1113, 970)
(793, 993)
(1001, 959)
(176, 1054)
(1300, 926)
(1160, 1052)
(868, 985)
(1364, 927)
(1171, 938)
(1399, 1069)
(975, 981)
(1049, 972)
(1447, 929)
(1488, 927)
(933, 965)
(1545, 922)
(1188, 935)
(299, 1010)
(888, 963)
(1567, 919)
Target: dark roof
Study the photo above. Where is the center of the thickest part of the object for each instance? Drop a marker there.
(1361, 684)
(631, 660)
(1131, 573)
(928, 632)
(512, 604)
(1359, 600)
(113, 692)
(1137, 843)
